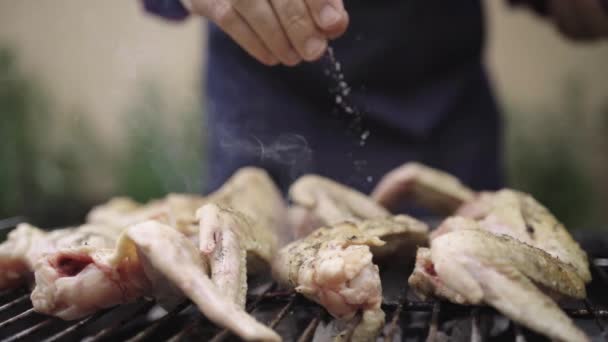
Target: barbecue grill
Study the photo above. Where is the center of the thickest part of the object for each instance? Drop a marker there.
(297, 319)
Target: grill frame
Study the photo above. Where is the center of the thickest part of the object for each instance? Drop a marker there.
(272, 306)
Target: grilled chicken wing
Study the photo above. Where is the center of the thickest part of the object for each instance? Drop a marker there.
(429, 187)
(239, 229)
(27, 244)
(319, 201)
(473, 266)
(333, 267)
(520, 216)
(74, 283)
(176, 210)
(507, 212)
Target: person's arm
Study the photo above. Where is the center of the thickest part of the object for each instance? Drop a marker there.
(576, 19)
(168, 9)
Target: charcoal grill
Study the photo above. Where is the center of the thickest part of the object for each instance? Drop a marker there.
(295, 318)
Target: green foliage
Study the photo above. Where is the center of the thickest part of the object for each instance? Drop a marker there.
(158, 160)
(549, 155)
(552, 171)
(33, 175)
(45, 176)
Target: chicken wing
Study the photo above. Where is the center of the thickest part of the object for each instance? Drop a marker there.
(319, 201)
(333, 267)
(26, 244)
(74, 283)
(239, 229)
(520, 216)
(176, 210)
(432, 188)
(473, 266)
(507, 212)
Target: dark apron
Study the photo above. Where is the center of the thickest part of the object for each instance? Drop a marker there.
(415, 70)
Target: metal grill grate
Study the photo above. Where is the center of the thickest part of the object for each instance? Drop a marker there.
(294, 318)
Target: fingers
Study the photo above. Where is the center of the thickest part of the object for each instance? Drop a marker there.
(302, 31)
(330, 16)
(262, 19)
(223, 14)
(273, 31)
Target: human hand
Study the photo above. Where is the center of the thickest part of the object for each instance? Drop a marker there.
(277, 31)
(580, 19)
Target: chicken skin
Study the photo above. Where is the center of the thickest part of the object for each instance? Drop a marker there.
(505, 212)
(26, 244)
(431, 188)
(240, 228)
(234, 232)
(176, 210)
(520, 216)
(473, 266)
(319, 201)
(334, 267)
(76, 282)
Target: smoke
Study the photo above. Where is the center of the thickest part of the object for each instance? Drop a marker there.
(290, 152)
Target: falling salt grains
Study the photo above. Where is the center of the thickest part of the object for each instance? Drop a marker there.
(341, 91)
(364, 137)
(369, 179)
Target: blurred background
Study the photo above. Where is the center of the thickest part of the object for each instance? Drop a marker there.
(98, 99)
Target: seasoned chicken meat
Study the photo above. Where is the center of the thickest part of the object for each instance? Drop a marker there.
(507, 212)
(176, 210)
(319, 201)
(26, 244)
(237, 233)
(239, 229)
(520, 216)
(150, 259)
(429, 187)
(334, 267)
(472, 266)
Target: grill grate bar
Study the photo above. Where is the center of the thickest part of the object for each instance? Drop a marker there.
(591, 308)
(186, 330)
(77, 326)
(597, 265)
(283, 312)
(117, 324)
(8, 292)
(519, 336)
(15, 302)
(429, 306)
(309, 330)
(476, 334)
(152, 328)
(394, 321)
(434, 324)
(17, 318)
(30, 330)
(220, 336)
